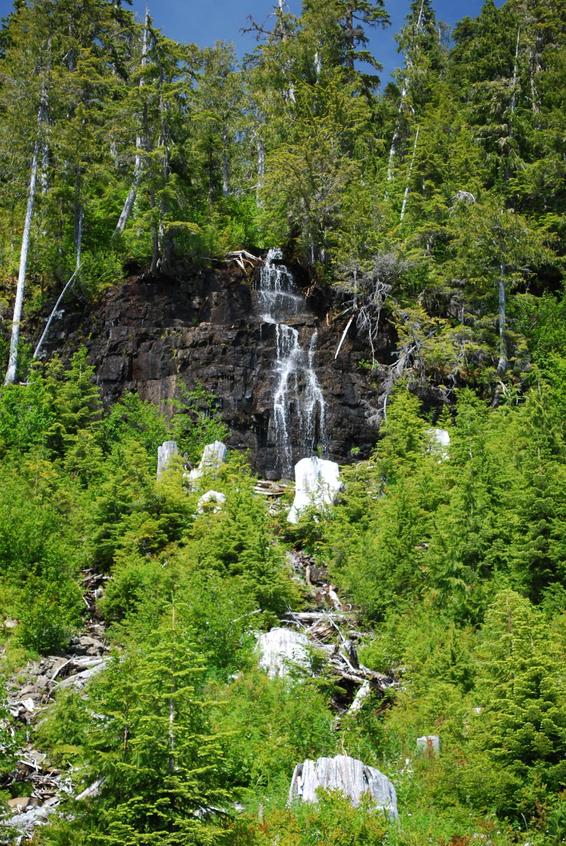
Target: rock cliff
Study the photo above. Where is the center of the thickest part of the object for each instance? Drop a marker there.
(151, 334)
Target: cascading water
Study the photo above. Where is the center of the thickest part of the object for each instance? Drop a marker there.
(298, 402)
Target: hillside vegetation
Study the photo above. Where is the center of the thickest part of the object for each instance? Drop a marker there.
(434, 206)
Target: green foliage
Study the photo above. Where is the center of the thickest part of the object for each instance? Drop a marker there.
(433, 211)
(99, 269)
(333, 821)
(519, 741)
(50, 613)
(272, 725)
(197, 421)
(152, 747)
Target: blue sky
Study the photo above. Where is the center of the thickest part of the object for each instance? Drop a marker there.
(207, 21)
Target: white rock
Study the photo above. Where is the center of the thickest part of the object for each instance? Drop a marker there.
(211, 496)
(280, 648)
(317, 483)
(430, 744)
(348, 775)
(165, 455)
(213, 458)
(439, 443)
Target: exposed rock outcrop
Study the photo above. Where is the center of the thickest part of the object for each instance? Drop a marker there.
(152, 335)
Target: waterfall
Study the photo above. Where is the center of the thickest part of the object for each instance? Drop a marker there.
(299, 409)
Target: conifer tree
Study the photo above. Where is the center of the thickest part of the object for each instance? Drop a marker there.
(521, 729)
(153, 750)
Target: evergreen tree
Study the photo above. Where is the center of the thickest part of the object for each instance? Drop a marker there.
(521, 729)
(153, 751)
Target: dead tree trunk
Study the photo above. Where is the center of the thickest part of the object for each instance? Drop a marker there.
(409, 175)
(515, 72)
(138, 162)
(79, 220)
(260, 165)
(503, 362)
(404, 92)
(12, 370)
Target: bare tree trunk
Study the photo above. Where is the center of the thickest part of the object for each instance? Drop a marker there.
(165, 243)
(503, 362)
(409, 175)
(260, 164)
(44, 170)
(534, 68)
(138, 162)
(54, 311)
(396, 134)
(12, 370)
(404, 92)
(155, 228)
(79, 219)
(171, 721)
(515, 72)
(225, 164)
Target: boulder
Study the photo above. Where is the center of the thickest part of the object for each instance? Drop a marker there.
(165, 455)
(348, 775)
(206, 501)
(429, 744)
(317, 484)
(86, 645)
(280, 648)
(213, 458)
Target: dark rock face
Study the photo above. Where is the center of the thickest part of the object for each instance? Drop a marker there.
(150, 335)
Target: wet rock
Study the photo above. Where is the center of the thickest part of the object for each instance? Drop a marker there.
(317, 484)
(155, 335)
(348, 775)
